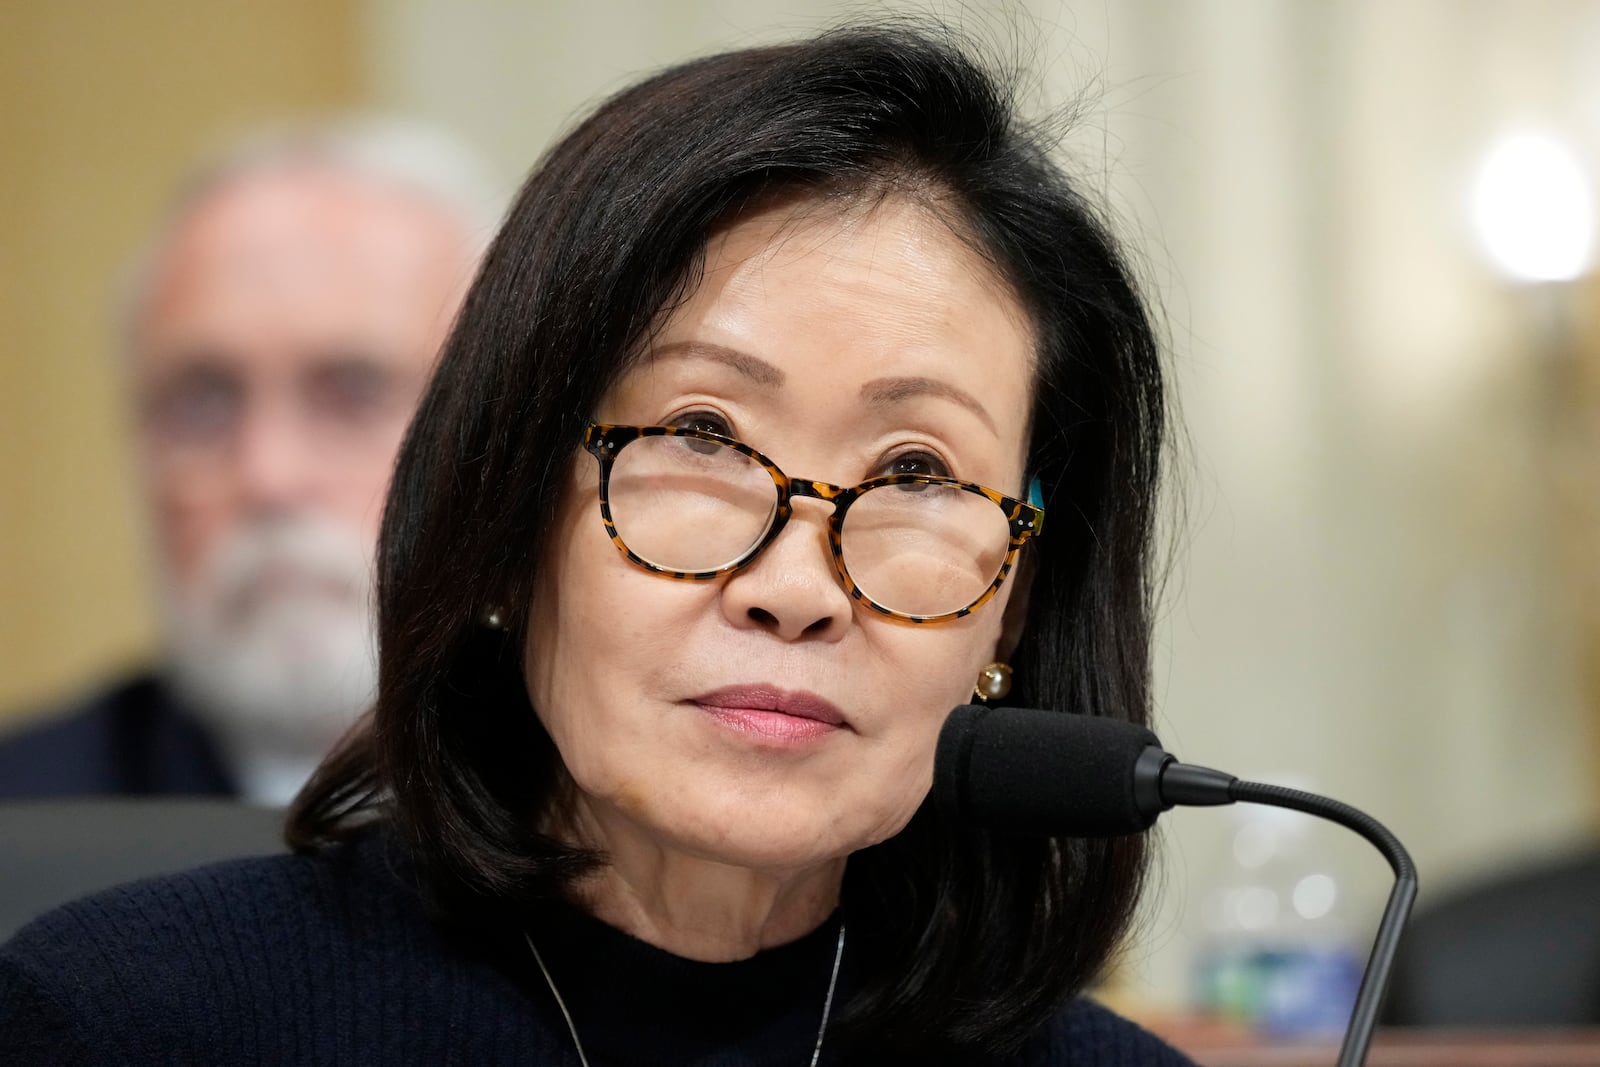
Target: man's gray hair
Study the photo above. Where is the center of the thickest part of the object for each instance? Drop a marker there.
(407, 154)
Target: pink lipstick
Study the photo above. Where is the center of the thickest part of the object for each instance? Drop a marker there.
(773, 714)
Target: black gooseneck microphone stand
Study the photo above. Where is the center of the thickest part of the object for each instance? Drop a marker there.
(1375, 979)
(1062, 774)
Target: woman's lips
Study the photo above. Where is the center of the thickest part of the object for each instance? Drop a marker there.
(772, 713)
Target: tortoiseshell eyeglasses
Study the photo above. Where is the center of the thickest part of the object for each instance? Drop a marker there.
(694, 505)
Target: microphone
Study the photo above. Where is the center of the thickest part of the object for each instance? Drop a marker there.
(1057, 774)
(1043, 772)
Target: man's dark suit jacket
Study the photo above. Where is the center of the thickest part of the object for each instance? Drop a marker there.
(132, 739)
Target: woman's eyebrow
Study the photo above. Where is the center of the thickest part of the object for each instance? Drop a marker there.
(757, 370)
(885, 391)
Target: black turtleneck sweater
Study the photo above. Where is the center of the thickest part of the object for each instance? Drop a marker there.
(329, 959)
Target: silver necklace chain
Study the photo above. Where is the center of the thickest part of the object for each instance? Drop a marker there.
(822, 1029)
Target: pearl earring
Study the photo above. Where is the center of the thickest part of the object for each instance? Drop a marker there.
(494, 617)
(994, 682)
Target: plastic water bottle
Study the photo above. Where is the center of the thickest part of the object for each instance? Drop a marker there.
(1279, 956)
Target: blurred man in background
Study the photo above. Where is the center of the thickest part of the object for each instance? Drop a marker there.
(279, 333)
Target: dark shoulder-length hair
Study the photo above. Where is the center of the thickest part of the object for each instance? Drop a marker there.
(969, 939)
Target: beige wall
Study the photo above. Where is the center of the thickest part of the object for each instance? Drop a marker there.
(102, 105)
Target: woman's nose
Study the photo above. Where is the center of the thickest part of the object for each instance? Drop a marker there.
(792, 589)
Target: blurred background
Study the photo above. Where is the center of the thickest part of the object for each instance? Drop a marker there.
(1369, 227)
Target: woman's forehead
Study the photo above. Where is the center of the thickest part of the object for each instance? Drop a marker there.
(852, 292)
(794, 225)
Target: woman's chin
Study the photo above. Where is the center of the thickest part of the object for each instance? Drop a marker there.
(771, 828)
(763, 845)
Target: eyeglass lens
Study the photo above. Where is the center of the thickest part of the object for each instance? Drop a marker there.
(685, 504)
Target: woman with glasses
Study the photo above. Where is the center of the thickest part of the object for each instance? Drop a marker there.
(732, 482)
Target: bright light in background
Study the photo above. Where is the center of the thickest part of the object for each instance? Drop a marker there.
(1534, 210)
(1315, 896)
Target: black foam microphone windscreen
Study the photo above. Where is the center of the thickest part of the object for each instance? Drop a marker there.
(1041, 772)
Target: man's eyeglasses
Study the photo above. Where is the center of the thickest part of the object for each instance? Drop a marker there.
(694, 505)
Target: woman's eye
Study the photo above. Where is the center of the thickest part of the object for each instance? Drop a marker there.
(919, 463)
(706, 424)
(703, 422)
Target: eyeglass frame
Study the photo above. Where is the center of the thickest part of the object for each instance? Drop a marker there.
(1025, 519)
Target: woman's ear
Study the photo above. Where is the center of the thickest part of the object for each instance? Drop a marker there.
(1016, 614)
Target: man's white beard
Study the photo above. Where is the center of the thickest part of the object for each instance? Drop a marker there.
(273, 646)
